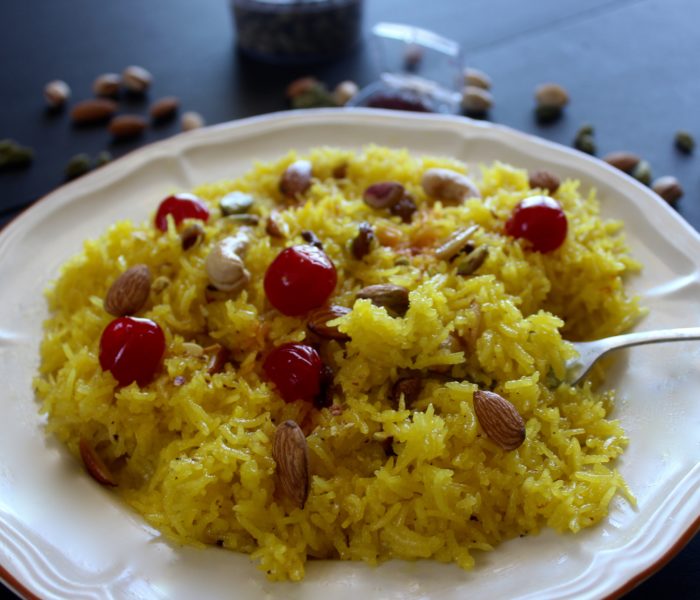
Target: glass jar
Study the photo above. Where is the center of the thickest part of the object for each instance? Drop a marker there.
(420, 71)
(297, 31)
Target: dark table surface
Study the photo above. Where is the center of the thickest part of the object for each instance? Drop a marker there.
(632, 68)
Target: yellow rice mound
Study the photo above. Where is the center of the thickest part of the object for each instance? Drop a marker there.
(193, 454)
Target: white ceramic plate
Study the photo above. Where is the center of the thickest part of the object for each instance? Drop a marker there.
(62, 536)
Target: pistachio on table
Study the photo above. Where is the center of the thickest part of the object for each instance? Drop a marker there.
(584, 139)
(14, 156)
(56, 93)
(684, 142)
(448, 185)
(392, 297)
(78, 165)
(642, 172)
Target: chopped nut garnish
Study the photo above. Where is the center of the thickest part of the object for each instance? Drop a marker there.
(319, 318)
(454, 244)
(362, 243)
(392, 297)
(473, 261)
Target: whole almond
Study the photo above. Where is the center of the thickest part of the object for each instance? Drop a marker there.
(164, 109)
(290, 452)
(124, 127)
(625, 161)
(669, 188)
(499, 419)
(93, 111)
(94, 464)
(129, 291)
(319, 318)
(107, 84)
(544, 180)
(392, 297)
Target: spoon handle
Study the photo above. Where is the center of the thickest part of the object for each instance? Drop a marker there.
(590, 352)
(638, 338)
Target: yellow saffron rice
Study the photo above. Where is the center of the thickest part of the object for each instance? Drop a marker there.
(192, 453)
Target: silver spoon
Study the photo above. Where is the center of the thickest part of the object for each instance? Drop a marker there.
(590, 352)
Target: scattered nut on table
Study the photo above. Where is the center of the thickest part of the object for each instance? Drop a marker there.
(551, 98)
(475, 77)
(107, 85)
(94, 110)
(56, 93)
(476, 100)
(642, 172)
(164, 108)
(669, 188)
(344, 92)
(192, 120)
(684, 142)
(136, 79)
(625, 161)
(124, 127)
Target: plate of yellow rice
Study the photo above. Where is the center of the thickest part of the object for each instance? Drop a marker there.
(324, 353)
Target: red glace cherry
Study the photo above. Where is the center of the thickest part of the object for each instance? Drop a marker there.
(541, 221)
(296, 370)
(181, 207)
(132, 349)
(299, 279)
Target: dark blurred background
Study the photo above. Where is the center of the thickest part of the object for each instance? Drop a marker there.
(631, 67)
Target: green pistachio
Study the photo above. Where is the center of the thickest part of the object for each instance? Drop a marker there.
(77, 166)
(685, 142)
(236, 203)
(14, 156)
(642, 172)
